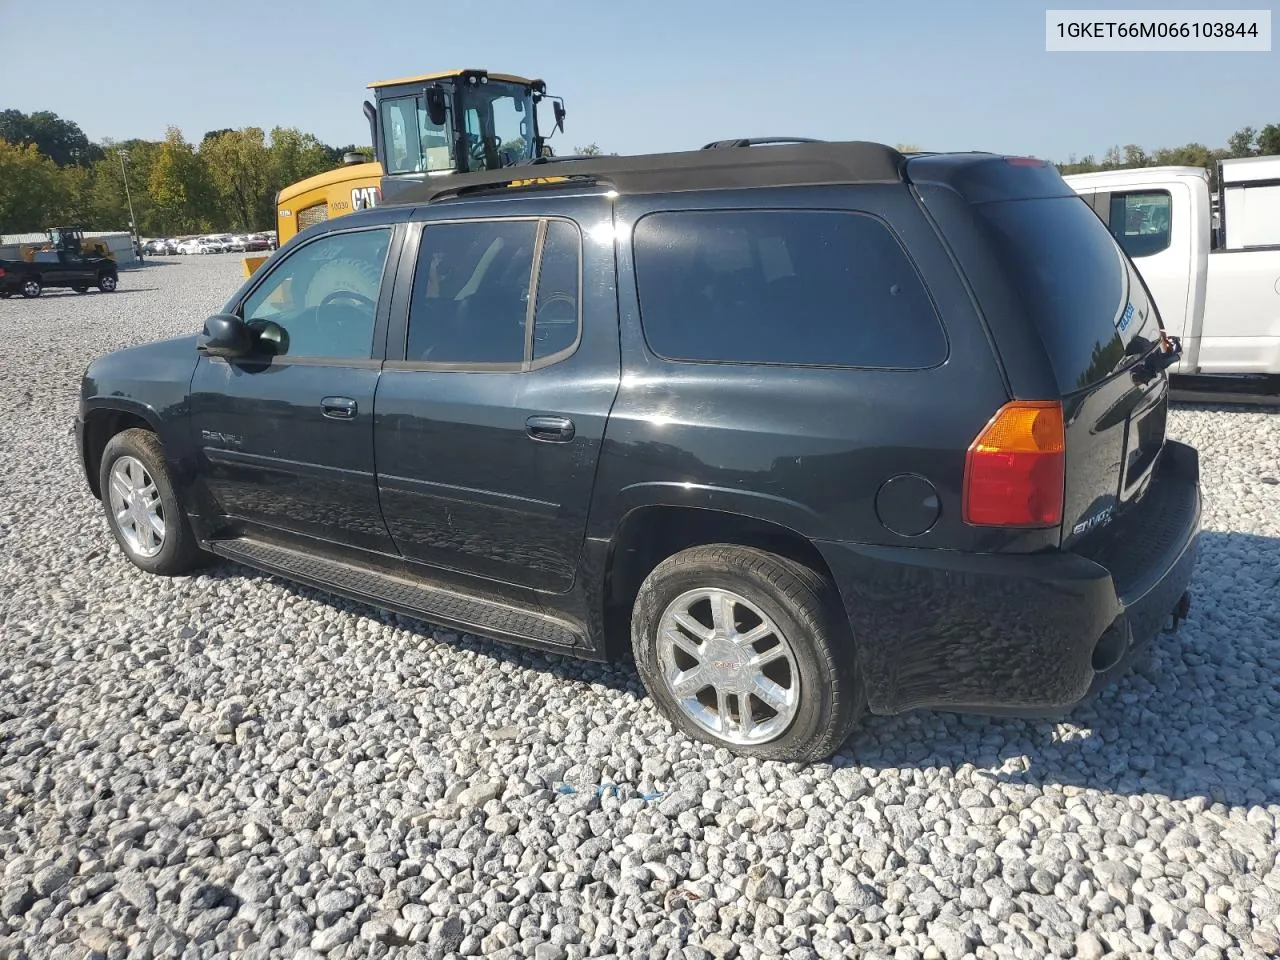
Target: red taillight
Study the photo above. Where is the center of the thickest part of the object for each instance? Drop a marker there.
(1, 271)
(1014, 471)
(1025, 162)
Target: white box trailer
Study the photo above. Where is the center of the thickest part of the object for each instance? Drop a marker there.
(1219, 291)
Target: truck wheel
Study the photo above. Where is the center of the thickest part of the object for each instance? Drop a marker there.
(80, 287)
(142, 508)
(747, 650)
(106, 283)
(31, 288)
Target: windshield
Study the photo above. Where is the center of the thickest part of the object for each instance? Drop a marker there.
(498, 124)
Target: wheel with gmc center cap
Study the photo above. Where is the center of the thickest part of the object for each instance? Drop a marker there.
(748, 650)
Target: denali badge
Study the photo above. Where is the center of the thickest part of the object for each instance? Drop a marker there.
(212, 436)
(1099, 519)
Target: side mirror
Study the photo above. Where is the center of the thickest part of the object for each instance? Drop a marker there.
(435, 106)
(224, 335)
(558, 108)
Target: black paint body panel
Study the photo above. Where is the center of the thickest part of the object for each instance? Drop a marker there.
(439, 482)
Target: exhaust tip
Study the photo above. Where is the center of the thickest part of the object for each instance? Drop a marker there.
(1110, 648)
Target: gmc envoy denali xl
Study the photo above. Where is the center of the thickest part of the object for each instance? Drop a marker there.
(806, 429)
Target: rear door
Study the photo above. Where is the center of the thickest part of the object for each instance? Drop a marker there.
(1097, 322)
(502, 367)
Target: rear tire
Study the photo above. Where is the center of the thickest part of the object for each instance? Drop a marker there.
(796, 686)
(142, 508)
(31, 288)
(107, 283)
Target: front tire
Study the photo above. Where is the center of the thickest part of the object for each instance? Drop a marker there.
(142, 509)
(107, 283)
(747, 650)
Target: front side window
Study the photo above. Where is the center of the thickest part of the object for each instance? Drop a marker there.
(1141, 221)
(472, 293)
(322, 300)
(798, 287)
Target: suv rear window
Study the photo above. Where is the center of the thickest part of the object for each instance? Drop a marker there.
(800, 287)
(1082, 293)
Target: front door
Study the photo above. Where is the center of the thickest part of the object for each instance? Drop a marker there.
(490, 418)
(287, 433)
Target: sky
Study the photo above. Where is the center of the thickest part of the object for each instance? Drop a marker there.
(636, 76)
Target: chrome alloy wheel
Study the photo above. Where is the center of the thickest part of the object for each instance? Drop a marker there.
(728, 666)
(135, 505)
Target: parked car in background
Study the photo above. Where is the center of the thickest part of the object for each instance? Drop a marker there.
(1218, 292)
(806, 430)
(61, 269)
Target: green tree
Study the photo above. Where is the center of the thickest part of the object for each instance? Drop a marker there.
(60, 140)
(1269, 140)
(30, 190)
(590, 150)
(1243, 143)
(107, 207)
(238, 167)
(179, 188)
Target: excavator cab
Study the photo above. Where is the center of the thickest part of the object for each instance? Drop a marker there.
(455, 122)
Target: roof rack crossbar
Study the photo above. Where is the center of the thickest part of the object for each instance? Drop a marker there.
(804, 163)
(757, 141)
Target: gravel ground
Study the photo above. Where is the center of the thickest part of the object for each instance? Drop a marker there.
(230, 765)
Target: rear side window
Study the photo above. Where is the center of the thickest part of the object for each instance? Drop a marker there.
(478, 299)
(800, 287)
(1076, 285)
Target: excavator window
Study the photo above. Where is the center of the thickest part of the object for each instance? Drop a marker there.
(413, 143)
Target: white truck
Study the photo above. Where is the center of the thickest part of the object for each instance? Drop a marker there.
(1216, 287)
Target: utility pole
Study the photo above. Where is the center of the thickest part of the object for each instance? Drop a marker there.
(133, 224)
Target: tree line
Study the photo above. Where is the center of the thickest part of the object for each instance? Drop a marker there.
(52, 174)
(1246, 142)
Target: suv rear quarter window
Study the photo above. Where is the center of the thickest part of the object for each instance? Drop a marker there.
(793, 287)
(1076, 285)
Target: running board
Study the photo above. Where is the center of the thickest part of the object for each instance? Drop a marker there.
(413, 598)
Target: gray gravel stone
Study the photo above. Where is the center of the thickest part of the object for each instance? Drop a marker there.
(224, 762)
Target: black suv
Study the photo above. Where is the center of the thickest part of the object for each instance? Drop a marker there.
(806, 429)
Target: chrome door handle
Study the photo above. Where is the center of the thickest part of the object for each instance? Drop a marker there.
(550, 429)
(338, 408)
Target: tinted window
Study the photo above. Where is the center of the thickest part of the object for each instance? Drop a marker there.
(786, 287)
(324, 296)
(471, 292)
(555, 318)
(1075, 284)
(1141, 222)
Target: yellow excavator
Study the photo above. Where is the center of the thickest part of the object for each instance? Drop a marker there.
(424, 126)
(66, 240)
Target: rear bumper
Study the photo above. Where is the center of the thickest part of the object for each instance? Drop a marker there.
(1020, 634)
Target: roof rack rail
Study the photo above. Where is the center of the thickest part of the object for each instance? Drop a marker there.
(798, 163)
(756, 141)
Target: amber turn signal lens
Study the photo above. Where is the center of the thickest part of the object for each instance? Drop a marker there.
(1015, 468)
